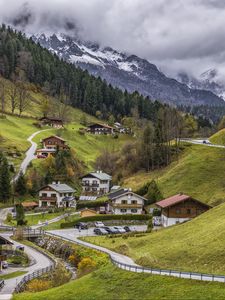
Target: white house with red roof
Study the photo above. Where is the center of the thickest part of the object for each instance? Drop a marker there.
(180, 208)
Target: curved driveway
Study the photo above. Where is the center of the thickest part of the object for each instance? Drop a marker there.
(201, 142)
(30, 154)
(40, 261)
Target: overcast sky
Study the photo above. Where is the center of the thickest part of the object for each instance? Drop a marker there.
(177, 35)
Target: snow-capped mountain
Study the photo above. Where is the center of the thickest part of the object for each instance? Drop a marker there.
(208, 80)
(125, 71)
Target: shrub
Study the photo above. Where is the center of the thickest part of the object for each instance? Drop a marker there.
(74, 259)
(9, 218)
(90, 204)
(38, 285)
(60, 276)
(86, 265)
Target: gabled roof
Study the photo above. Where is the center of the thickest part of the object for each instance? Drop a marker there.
(51, 119)
(121, 192)
(60, 188)
(102, 125)
(98, 175)
(54, 136)
(175, 200)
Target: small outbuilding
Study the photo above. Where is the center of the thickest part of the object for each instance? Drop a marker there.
(29, 205)
(87, 212)
(180, 208)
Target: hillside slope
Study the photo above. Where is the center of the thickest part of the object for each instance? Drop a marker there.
(196, 246)
(112, 283)
(198, 173)
(218, 137)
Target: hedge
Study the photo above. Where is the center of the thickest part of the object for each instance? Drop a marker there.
(90, 204)
(105, 218)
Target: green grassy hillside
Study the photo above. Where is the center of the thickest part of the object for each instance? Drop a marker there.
(197, 245)
(218, 138)
(198, 173)
(14, 131)
(112, 283)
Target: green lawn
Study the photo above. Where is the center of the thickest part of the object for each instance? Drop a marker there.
(112, 283)
(34, 219)
(218, 138)
(197, 245)
(12, 275)
(57, 225)
(197, 173)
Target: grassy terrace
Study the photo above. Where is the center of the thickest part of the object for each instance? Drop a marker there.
(112, 283)
(196, 173)
(196, 246)
(12, 275)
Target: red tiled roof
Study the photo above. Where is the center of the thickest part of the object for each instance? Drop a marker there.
(172, 200)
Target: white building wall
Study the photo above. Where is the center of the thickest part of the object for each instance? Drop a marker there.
(59, 198)
(91, 180)
(172, 221)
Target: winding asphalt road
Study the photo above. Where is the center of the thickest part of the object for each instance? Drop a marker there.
(203, 142)
(30, 154)
(39, 261)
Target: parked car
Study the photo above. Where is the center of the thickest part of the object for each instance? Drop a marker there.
(81, 225)
(111, 230)
(20, 248)
(5, 265)
(100, 231)
(120, 229)
(127, 228)
(99, 224)
(2, 282)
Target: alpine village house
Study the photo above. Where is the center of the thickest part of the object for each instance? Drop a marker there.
(98, 128)
(58, 195)
(50, 146)
(96, 183)
(124, 201)
(180, 208)
(52, 122)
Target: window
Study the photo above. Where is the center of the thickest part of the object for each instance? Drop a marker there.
(70, 194)
(44, 195)
(124, 201)
(123, 210)
(177, 211)
(44, 203)
(61, 195)
(134, 211)
(188, 211)
(94, 189)
(134, 202)
(53, 195)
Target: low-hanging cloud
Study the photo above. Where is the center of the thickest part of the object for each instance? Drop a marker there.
(177, 35)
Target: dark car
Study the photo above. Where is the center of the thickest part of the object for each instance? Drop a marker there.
(21, 248)
(81, 225)
(108, 229)
(127, 228)
(100, 231)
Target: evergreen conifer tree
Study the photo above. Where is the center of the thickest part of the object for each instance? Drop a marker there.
(154, 194)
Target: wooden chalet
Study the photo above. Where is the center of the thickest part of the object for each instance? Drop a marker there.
(98, 128)
(51, 121)
(180, 208)
(54, 142)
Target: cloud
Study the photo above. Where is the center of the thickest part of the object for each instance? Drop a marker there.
(177, 35)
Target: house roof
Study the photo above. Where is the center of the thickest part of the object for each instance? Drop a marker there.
(102, 125)
(54, 136)
(60, 188)
(51, 119)
(46, 150)
(176, 199)
(88, 209)
(121, 192)
(98, 175)
(5, 240)
(29, 204)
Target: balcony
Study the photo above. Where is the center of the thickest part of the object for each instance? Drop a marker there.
(119, 205)
(90, 184)
(52, 199)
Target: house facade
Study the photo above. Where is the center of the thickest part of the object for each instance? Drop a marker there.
(98, 128)
(52, 121)
(57, 195)
(126, 202)
(180, 208)
(96, 183)
(54, 142)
